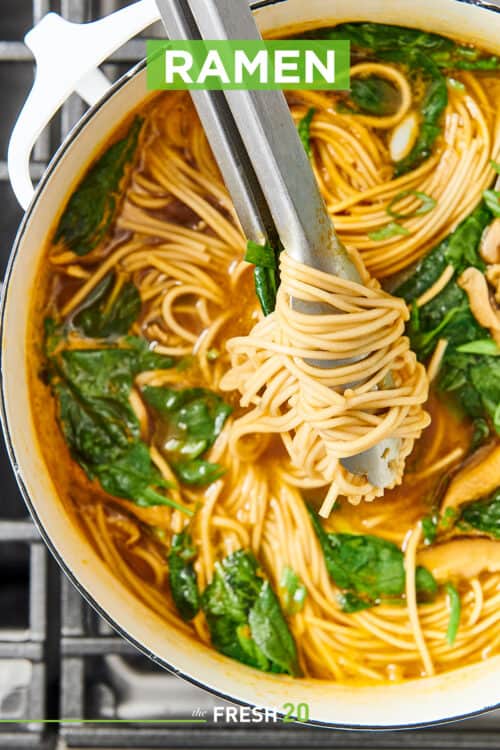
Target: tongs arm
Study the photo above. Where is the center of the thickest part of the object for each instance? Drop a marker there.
(223, 135)
(267, 172)
(265, 157)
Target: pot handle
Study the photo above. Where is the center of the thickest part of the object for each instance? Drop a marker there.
(67, 57)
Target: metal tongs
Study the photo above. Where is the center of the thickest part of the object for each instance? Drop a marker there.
(268, 175)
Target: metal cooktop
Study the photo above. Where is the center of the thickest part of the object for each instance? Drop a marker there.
(65, 678)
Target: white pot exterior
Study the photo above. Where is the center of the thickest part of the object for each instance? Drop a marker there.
(464, 692)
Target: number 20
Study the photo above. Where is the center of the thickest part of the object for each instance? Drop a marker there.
(298, 713)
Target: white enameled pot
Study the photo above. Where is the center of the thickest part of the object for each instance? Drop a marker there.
(79, 50)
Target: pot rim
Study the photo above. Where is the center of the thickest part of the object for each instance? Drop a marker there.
(9, 443)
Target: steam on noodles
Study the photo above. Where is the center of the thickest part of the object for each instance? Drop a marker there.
(199, 444)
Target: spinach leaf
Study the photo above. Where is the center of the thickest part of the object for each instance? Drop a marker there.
(475, 62)
(93, 428)
(292, 590)
(454, 378)
(270, 631)
(492, 200)
(109, 310)
(266, 273)
(91, 209)
(473, 380)
(483, 515)
(198, 472)
(429, 528)
(480, 346)
(244, 616)
(198, 411)
(253, 656)
(235, 586)
(432, 106)
(485, 377)
(448, 519)
(469, 370)
(182, 576)
(266, 286)
(365, 564)
(425, 582)
(54, 335)
(443, 52)
(374, 95)
(462, 246)
(133, 476)
(304, 130)
(367, 567)
(92, 387)
(260, 255)
(109, 371)
(147, 359)
(431, 525)
(481, 432)
(455, 610)
(101, 373)
(447, 316)
(377, 36)
(459, 249)
(189, 422)
(426, 272)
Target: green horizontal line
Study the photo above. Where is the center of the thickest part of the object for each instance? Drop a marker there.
(103, 721)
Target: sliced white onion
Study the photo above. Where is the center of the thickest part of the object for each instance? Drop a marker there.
(403, 137)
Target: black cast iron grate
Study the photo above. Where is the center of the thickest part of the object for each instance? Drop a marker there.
(58, 659)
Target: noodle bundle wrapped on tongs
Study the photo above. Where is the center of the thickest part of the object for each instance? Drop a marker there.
(329, 369)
